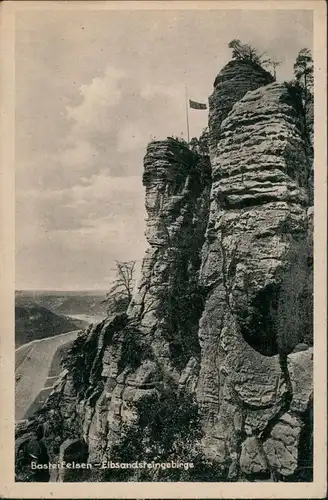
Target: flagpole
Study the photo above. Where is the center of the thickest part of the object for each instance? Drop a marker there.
(187, 114)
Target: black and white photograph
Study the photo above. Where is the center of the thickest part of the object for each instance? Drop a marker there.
(165, 173)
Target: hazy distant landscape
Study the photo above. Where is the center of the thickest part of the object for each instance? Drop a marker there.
(41, 314)
(64, 302)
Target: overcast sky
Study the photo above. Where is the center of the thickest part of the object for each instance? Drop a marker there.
(91, 90)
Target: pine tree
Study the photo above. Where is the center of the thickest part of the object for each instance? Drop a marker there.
(303, 70)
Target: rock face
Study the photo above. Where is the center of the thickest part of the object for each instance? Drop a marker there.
(255, 255)
(167, 305)
(231, 84)
(230, 255)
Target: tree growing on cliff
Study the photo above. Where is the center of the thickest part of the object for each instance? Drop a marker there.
(245, 52)
(200, 145)
(120, 293)
(303, 70)
(272, 64)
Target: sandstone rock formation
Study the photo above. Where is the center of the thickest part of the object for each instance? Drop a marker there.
(229, 258)
(230, 85)
(167, 305)
(258, 218)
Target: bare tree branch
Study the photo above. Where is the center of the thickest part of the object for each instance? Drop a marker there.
(122, 288)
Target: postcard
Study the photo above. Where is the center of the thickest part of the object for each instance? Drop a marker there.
(163, 242)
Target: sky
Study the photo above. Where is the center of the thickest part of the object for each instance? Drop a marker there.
(92, 89)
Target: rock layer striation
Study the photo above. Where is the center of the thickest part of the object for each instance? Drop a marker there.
(256, 253)
(230, 85)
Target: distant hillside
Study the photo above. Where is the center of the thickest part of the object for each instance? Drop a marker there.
(33, 322)
(67, 303)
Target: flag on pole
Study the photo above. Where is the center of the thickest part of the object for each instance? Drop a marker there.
(197, 105)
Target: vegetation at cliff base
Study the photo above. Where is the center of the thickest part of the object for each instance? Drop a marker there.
(80, 357)
(167, 428)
